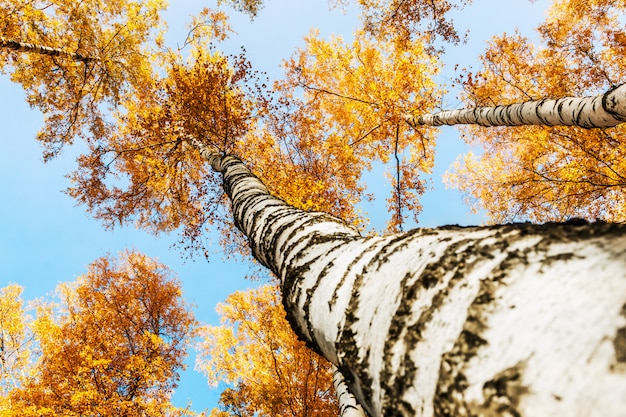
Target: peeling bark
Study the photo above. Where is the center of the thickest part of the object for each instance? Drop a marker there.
(602, 111)
(510, 320)
(42, 50)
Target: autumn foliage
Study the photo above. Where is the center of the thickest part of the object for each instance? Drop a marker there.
(15, 341)
(269, 371)
(114, 342)
(340, 108)
(549, 173)
(118, 37)
(112, 345)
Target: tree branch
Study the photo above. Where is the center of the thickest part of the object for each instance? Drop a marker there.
(42, 50)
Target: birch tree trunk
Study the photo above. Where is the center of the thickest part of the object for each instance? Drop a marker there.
(603, 111)
(511, 320)
(42, 50)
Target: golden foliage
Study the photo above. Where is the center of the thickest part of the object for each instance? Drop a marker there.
(15, 342)
(111, 346)
(271, 372)
(249, 7)
(148, 169)
(345, 105)
(403, 20)
(72, 94)
(549, 173)
(340, 108)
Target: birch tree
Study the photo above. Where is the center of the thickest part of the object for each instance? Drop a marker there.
(501, 320)
(606, 110)
(542, 173)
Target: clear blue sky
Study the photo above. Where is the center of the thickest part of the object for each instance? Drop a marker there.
(45, 239)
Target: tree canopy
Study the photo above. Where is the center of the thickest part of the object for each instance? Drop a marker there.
(112, 345)
(270, 371)
(339, 109)
(549, 173)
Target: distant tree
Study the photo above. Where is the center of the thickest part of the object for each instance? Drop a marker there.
(108, 44)
(112, 346)
(15, 343)
(249, 7)
(271, 372)
(401, 20)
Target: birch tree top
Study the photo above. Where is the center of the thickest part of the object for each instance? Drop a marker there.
(339, 108)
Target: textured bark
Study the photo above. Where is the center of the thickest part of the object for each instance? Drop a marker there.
(603, 111)
(348, 405)
(43, 50)
(511, 320)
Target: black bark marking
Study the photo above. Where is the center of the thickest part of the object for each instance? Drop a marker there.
(368, 249)
(292, 289)
(260, 225)
(609, 104)
(277, 233)
(502, 394)
(449, 398)
(619, 343)
(306, 309)
(360, 381)
(311, 218)
(394, 383)
(290, 242)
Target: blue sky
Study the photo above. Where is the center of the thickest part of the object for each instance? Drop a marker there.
(45, 239)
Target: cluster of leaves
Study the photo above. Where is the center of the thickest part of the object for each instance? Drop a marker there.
(249, 7)
(343, 108)
(15, 340)
(549, 173)
(118, 38)
(112, 345)
(270, 372)
(163, 182)
(340, 108)
(402, 20)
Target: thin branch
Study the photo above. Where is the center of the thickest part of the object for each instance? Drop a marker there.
(332, 93)
(398, 187)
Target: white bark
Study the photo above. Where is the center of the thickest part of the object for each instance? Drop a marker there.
(348, 405)
(511, 320)
(42, 50)
(603, 111)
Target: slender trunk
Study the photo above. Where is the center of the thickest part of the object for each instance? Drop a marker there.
(42, 50)
(348, 405)
(602, 111)
(511, 320)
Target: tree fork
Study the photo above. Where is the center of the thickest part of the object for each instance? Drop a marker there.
(516, 319)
